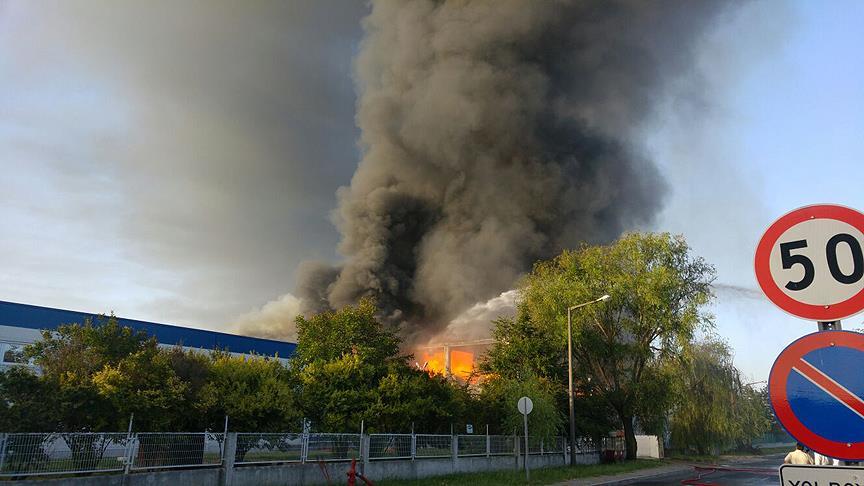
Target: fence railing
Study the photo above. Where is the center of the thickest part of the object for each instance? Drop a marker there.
(161, 450)
(56, 453)
(431, 445)
(46, 454)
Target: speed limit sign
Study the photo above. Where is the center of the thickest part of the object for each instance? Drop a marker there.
(810, 262)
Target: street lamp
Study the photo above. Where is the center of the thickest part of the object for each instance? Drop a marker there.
(570, 373)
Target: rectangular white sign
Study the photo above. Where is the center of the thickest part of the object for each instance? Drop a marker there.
(793, 475)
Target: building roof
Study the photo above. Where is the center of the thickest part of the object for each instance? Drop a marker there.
(35, 317)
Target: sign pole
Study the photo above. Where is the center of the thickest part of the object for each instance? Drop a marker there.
(829, 326)
(810, 263)
(525, 405)
(527, 471)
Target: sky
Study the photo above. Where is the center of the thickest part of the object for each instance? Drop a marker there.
(178, 164)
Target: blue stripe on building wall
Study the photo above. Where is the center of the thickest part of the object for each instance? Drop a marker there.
(35, 317)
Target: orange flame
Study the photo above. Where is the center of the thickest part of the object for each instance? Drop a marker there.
(434, 361)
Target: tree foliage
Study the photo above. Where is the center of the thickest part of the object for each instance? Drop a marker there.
(94, 376)
(254, 392)
(502, 394)
(349, 370)
(716, 410)
(658, 291)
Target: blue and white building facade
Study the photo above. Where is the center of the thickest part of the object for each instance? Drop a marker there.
(20, 324)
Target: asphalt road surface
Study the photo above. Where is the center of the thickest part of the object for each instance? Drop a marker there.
(745, 473)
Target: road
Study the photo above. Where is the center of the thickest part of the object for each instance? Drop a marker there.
(723, 477)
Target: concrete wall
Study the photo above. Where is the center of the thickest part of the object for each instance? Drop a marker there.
(311, 474)
(186, 477)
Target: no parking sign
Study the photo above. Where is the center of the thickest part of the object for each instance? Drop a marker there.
(816, 388)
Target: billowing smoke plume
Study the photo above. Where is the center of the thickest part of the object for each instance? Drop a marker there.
(496, 133)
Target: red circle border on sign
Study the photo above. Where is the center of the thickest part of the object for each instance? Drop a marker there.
(780, 400)
(762, 264)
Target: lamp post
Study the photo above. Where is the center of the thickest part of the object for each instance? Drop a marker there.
(570, 373)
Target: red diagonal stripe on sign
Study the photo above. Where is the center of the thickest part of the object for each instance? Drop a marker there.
(832, 388)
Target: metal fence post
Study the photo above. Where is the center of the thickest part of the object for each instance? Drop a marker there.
(516, 452)
(488, 448)
(224, 439)
(454, 449)
(130, 446)
(564, 445)
(365, 452)
(413, 445)
(3, 441)
(304, 447)
(229, 455)
(130, 453)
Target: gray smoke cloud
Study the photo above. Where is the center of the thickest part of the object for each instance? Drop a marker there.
(172, 160)
(494, 134)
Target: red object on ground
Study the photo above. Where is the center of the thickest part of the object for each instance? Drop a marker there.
(353, 475)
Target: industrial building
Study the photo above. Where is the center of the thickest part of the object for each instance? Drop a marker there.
(20, 324)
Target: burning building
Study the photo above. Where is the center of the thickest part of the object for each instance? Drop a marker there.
(457, 360)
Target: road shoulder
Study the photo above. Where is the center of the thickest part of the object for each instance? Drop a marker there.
(629, 476)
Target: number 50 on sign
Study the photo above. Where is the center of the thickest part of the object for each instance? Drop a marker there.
(810, 262)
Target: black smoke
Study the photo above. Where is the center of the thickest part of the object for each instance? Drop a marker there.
(496, 133)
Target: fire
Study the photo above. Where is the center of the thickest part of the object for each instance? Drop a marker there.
(435, 361)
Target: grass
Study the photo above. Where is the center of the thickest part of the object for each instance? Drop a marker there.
(538, 476)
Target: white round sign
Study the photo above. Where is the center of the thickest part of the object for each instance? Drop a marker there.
(810, 262)
(525, 405)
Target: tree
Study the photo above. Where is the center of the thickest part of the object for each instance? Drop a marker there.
(407, 397)
(523, 348)
(658, 291)
(715, 410)
(24, 407)
(254, 392)
(348, 369)
(79, 350)
(69, 359)
(144, 383)
(501, 395)
(352, 330)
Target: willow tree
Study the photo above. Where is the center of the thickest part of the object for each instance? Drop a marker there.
(658, 291)
(715, 410)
